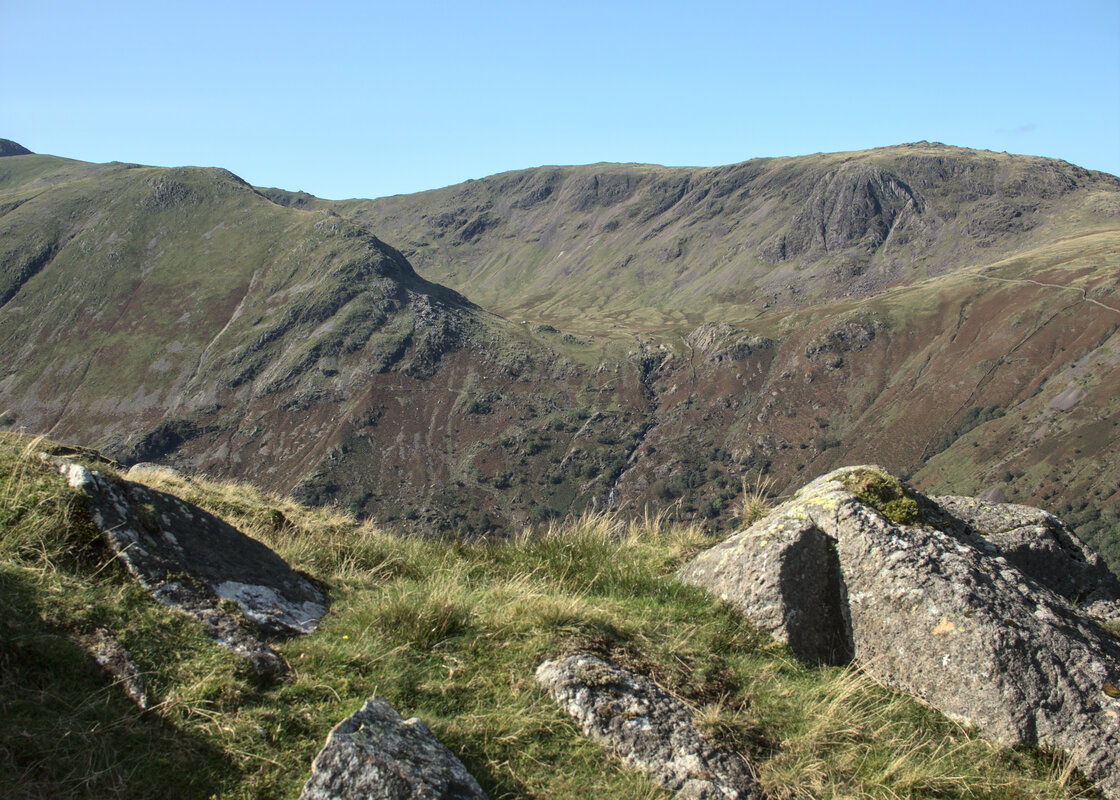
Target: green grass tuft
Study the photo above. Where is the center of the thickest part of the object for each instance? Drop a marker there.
(755, 501)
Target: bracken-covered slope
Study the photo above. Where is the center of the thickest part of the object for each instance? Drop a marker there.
(643, 335)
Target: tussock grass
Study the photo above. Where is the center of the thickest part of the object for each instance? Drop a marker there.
(755, 501)
(446, 630)
(861, 740)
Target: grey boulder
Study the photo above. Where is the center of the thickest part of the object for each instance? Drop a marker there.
(375, 755)
(646, 727)
(1040, 545)
(190, 559)
(981, 627)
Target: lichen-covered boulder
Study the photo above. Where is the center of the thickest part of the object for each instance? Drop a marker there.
(375, 755)
(646, 727)
(929, 605)
(188, 558)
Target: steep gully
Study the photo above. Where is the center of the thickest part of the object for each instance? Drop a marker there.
(647, 367)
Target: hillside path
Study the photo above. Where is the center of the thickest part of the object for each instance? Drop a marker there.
(1084, 294)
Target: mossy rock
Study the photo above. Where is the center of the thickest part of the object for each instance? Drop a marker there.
(886, 494)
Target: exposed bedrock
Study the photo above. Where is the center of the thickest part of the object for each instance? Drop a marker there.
(192, 560)
(375, 755)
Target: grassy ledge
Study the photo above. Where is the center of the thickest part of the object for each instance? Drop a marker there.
(449, 631)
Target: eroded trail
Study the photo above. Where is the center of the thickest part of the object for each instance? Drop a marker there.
(1084, 294)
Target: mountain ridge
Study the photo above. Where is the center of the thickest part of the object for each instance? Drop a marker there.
(697, 258)
(538, 342)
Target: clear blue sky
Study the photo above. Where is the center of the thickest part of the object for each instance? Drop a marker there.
(364, 99)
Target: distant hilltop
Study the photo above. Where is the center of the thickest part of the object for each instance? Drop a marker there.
(10, 148)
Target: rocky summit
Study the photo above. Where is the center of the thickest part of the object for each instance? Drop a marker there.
(972, 607)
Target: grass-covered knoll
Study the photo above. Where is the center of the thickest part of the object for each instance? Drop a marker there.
(450, 631)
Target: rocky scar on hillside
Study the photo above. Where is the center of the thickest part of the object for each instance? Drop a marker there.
(646, 727)
(189, 559)
(977, 609)
(375, 755)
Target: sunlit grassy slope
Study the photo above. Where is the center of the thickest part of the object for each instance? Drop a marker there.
(449, 631)
(641, 247)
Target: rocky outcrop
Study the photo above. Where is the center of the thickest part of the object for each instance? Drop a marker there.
(978, 626)
(721, 342)
(188, 558)
(646, 727)
(847, 335)
(854, 205)
(375, 755)
(1039, 545)
(10, 148)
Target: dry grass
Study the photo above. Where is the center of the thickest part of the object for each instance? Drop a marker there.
(860, 740)
(755, 501)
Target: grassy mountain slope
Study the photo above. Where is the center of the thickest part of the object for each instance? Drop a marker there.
(1000, 377)
(643, 247)
(157, 311)
(658, 335)
(446, 630)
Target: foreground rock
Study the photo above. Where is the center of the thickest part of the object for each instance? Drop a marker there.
(375, 755)
(117, 662)
(188, 558)
(981, 628)
(646, 727)
(1039, 545)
